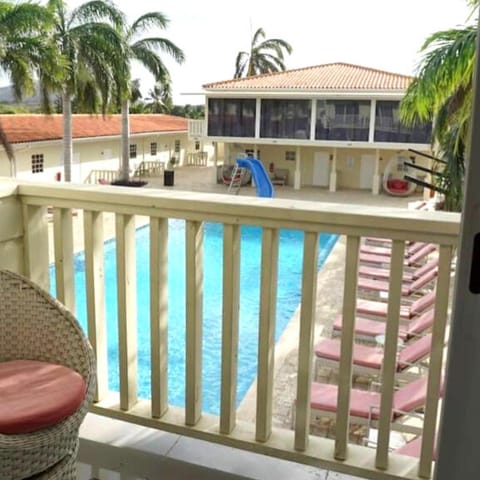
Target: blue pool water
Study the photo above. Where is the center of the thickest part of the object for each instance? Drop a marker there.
(289, 289)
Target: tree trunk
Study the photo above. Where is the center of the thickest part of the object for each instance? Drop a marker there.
(125, 159)
(67, 136)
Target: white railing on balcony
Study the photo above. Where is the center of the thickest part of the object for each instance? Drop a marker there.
(197, 159)
(272, 215)
(196, 128)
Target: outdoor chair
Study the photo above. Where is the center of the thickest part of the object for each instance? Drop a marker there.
(367, 329)
(413, 260)
(379, 287)
(408, 311)
(409, 276)
(47, 381)
(387, 250)
(368, 359)
(413, 448)
(365, 404)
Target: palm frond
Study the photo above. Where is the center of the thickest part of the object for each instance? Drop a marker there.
(149, 20)
(97, 11)
(161, 44)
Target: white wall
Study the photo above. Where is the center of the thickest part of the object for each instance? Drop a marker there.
(91, 154)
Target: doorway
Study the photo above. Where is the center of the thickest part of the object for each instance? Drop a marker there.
(321, 169)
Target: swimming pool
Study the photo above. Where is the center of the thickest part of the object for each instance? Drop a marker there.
(288, 298)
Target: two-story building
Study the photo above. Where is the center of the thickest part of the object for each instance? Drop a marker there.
(335, 125)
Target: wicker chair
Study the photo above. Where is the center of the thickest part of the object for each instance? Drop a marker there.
(35, 326)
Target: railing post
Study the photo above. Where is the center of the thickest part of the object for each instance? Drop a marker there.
(266, 335)
(126, 298)
(346, 349)
(305, 340)
(159, 314)
(36, 245)
(95, 295)
(194, 306)
(230, 324)
(63, 243)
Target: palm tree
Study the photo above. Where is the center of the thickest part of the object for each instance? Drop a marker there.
(160, 98)
(442, 90)
(145, 51)
(88, 38)
(264, 57)
(23, 50)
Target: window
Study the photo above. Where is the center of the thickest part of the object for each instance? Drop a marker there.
(285, 119)
(153, 149)
(197, 145)
(389, 128)
(290, 155)
(37, 163)
(347, 120)
(234, 117)
(133, 150)
(177, 146)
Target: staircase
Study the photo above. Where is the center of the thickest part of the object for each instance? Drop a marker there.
(236, 179)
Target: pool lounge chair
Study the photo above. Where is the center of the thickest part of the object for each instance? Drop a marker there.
(377, 309)
(411, 261)
(387, 250)
(368, 329)
(365, 404)
(378, 273)
(408, 288)
(413, 448)
(368, 360)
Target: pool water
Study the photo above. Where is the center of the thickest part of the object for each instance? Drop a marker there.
(288, 298)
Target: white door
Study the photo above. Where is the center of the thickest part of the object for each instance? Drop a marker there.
(367, 170)
(321, 169)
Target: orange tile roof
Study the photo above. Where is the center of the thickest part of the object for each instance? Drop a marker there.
(36, 128)
(331, 76)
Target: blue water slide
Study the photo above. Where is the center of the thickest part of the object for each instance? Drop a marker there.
(260, 176)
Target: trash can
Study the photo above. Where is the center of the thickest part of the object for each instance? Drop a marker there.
(168, 178)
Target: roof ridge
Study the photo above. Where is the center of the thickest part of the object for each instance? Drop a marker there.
(311, 67)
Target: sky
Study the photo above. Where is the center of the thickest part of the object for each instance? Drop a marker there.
(383, 34)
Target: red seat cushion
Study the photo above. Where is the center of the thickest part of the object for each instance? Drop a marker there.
(35, 395)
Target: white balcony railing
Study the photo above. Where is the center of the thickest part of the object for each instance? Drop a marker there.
(196, 128)
(25, 239)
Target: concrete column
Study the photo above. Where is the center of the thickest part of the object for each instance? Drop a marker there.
(333, 172)
(376, 185)
(297, 180)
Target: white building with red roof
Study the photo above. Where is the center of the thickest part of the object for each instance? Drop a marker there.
(335, 126)
(37, 143)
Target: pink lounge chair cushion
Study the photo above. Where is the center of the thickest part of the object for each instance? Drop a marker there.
(372, 307)
(363, 355)
(324, 397)
(414, 351)
(421, 323)
(35, 395)
(411, 449)
(411, 396)
(407, 288)
(367, 327)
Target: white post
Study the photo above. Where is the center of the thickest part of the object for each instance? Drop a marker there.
(371, 131)
(297, 180)
(460, 423)
(376, 175)
(333, 172)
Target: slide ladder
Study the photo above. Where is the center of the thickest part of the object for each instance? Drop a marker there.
(236, 179)
(260, 176)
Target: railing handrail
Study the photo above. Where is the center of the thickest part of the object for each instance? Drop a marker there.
(440, 227)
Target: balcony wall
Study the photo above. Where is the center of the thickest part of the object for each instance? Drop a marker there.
(24, 246)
